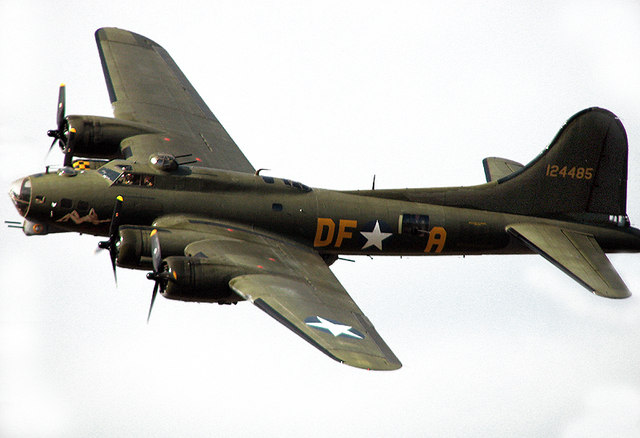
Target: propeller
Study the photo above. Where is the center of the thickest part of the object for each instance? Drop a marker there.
(111, 244)
(158, 275)
(58, 134)
(62, 134)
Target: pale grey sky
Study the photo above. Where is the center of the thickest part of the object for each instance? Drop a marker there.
(329, 94)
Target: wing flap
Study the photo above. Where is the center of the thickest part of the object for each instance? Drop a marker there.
(577, 254)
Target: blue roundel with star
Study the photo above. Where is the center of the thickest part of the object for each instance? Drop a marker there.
(334, 327)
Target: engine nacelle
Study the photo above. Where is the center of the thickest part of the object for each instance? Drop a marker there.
(134, 247)
(194, 279)
(100, 137)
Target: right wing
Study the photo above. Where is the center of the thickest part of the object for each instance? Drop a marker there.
(577, 254)
(292, 284)
(146, 86)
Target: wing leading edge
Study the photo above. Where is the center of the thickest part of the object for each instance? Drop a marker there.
(577, 254)
(294, 285)
(146, 86)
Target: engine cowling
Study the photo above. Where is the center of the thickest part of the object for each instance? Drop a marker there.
(134, 245)
(100, 137)
(194, 279)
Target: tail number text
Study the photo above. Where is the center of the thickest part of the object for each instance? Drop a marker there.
(555, 171)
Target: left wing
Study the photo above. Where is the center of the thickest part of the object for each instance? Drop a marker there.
(294, 285)
(146, 86)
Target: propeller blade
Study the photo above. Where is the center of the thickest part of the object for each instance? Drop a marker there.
(51, 147)
(112, 256)
(58, 134)
(66, 144)
(153, 298)
(111, 244)
(156, 256)
(61, 107)
(156, 275)
(68, 159)
(115, 219)
(113, 232)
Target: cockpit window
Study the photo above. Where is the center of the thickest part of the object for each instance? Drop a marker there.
(109, 174)
(129, 179)
(136, 179)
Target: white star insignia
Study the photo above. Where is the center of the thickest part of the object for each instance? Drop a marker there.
(375, 237)
(335, 328)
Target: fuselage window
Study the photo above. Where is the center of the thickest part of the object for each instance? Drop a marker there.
(268, 179)
(276, 207)
(66, 203)
(414, 224)
(83, 205)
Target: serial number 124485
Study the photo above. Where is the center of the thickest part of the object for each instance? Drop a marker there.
(555, 171)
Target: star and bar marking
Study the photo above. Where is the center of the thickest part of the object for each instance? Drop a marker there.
(334, 327)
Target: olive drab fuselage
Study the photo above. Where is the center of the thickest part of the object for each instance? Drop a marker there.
(332, 222)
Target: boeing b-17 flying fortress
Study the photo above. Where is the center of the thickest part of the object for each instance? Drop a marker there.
(175, 196)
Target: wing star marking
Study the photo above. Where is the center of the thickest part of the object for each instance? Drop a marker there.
(333, 327)
(375, 237)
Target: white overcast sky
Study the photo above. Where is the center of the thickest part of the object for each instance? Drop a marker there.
(328, 93)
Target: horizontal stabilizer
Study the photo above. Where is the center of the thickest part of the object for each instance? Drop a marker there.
(496, 168)
(577, 254)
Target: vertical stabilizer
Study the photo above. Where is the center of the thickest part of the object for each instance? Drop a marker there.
(584, 170)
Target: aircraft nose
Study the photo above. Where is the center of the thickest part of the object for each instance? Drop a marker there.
(20, 193)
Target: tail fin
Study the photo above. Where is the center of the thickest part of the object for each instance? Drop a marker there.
(583, 172)
(581, 175)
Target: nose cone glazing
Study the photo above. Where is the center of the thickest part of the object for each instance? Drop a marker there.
(20, 193)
